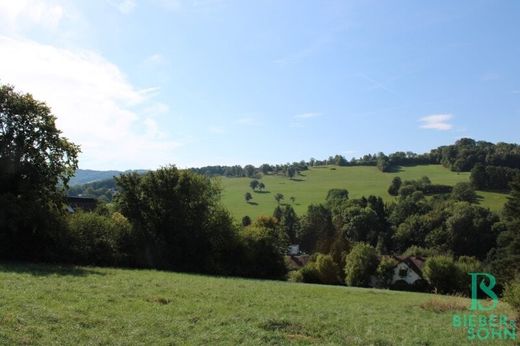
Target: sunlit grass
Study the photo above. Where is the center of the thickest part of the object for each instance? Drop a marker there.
(313, 185)
(42, 305)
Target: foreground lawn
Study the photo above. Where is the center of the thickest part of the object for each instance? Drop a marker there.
(313, 185)
(42, 304)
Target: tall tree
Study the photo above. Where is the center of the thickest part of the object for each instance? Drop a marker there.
(36, 163)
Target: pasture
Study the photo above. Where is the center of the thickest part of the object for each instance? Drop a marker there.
(44, 305)
(312, 186)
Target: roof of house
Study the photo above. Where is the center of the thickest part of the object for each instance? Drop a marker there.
(87, 204)
(296, 262)
(414, 262)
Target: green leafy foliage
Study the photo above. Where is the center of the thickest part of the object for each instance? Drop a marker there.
(36, 162)
(98, 240)
(361, 263)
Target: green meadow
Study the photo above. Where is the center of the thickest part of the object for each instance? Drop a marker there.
(312, 186)
(44, 305)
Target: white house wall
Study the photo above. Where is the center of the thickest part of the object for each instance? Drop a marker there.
(410, 277)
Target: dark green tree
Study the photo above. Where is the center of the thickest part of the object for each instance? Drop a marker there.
(246, 221)
(178, 221)
(253, 184)
(464, 192)
(395, 186)
(36, 163)
(248, 196)
(512, 206)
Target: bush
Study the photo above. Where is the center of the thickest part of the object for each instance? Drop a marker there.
(295, 276)
(361, 263)
(385, 272)
(261, 254)
(309, 273)
(512, 296)
(327, 269)
(466, 265)
(96, 239)
(442, 273)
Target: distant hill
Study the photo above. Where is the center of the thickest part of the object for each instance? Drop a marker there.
(311, 186)
(85, 176)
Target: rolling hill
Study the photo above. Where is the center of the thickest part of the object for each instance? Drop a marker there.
(43, 305)
(312, 186)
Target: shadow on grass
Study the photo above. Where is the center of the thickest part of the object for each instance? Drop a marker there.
(297, 179)
(394, 169)
(252, 203)
(43, 269)
(262, 191)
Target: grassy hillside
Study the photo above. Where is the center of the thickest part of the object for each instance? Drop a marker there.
(42, 304)
(313, 185)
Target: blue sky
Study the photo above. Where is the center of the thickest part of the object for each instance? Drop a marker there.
(142, 84)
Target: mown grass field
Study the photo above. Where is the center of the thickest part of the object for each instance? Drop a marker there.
(43, 305)
(313, 185)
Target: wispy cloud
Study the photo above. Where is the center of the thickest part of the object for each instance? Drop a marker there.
(154, 59)
(437, 122)
(515, 92)
(124, 6)
(116, 124)
(375, 84)
(17, 14)
(307, 115)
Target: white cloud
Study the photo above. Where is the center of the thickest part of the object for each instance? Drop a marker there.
(95, 105)
(437, 122)
(17, 14)
(307, 115)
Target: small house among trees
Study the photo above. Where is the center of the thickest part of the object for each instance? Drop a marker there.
(408, 269)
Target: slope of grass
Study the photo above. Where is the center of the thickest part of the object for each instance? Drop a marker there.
(312, 187)
(41, 304)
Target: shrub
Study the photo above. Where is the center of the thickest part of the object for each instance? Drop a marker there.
(361, 263)
(512, 296)
(96, 239)
(385, 272)
(327, 269)
(442, 273)
(309, 273)
(246, 221)
(466, 265)
(261, 254)
(295, 276)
